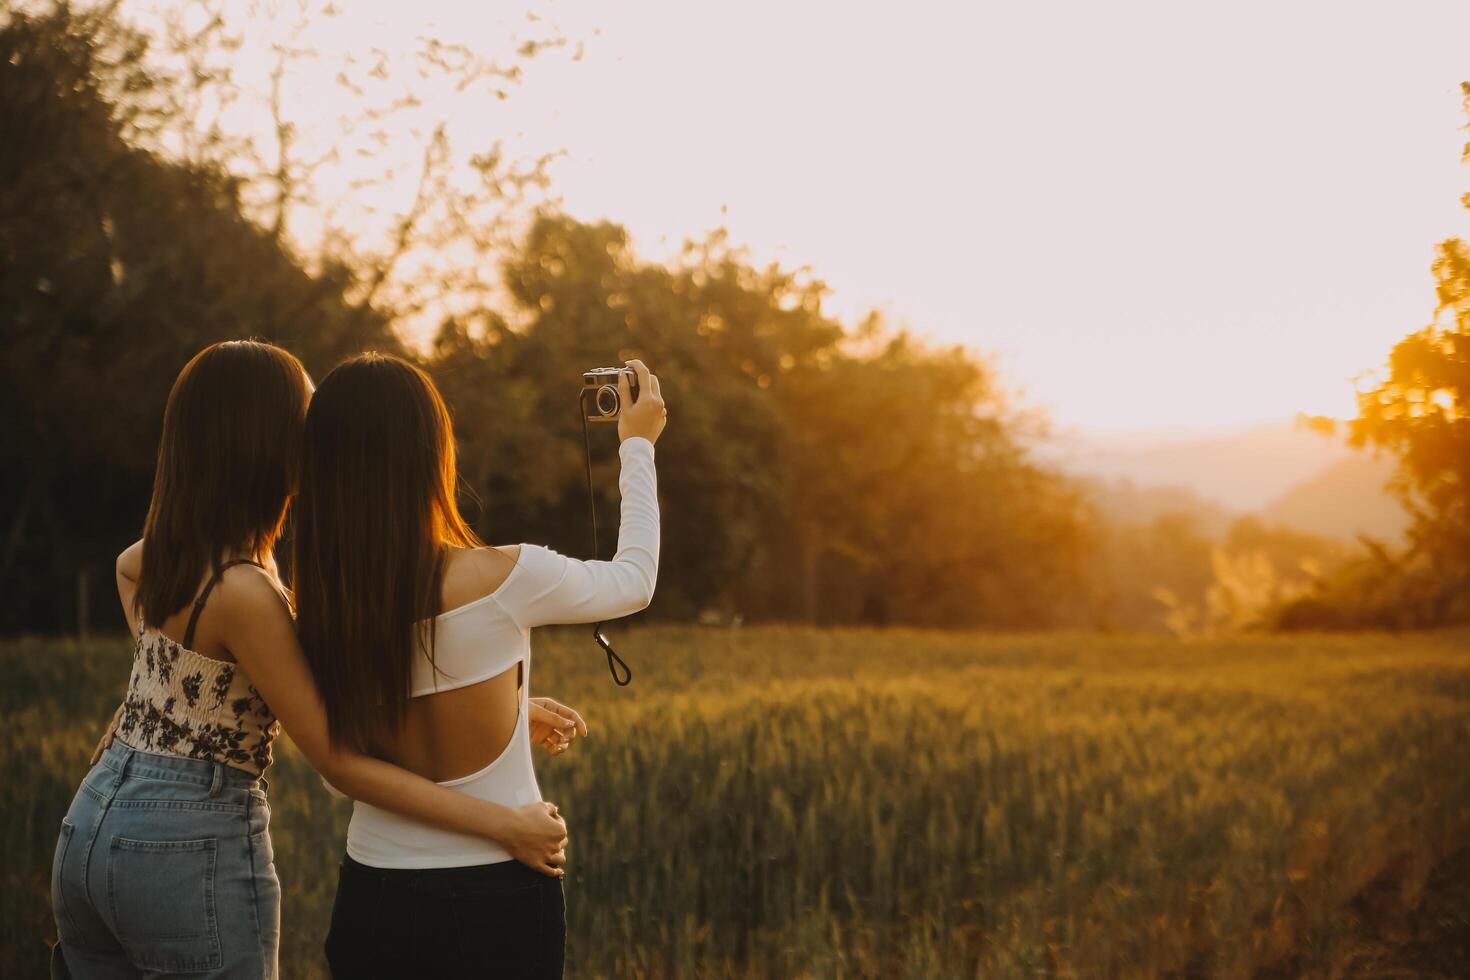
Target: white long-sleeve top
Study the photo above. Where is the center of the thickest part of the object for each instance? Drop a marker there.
(490, 635)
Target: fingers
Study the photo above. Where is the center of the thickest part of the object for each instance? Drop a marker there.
(559, 709)
(563, 721)
(554, 741)
(641, 370)
(568, 717)
(548, 862)
(557, 713)
(558, 858)
(573, 720)
(625, 390)
(656, 395)
(552, 864)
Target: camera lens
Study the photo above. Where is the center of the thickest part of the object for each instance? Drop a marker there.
(607, 400)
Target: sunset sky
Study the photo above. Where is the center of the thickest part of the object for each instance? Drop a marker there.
(1151, 213)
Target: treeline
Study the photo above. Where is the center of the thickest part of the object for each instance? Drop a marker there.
(115, 267)
(809, 471)
(812, 470)
(1191, 573)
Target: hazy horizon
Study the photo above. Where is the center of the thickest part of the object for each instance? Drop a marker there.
(1141, 211)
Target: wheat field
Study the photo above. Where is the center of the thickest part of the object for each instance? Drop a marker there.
(790, 802)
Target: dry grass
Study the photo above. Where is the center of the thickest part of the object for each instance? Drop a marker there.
(792, 802)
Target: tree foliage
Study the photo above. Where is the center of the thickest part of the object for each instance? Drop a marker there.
(1419, 412)
(116, 266)
(806, 472)
(810, 471)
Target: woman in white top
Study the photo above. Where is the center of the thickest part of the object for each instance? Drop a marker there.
(164, 861)
(419, 639)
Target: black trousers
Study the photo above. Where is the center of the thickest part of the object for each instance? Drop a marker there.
(493, 920)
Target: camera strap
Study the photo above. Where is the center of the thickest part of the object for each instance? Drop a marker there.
(613, 660)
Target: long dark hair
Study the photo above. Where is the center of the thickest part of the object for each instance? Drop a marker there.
(372, 523)
(226, 468)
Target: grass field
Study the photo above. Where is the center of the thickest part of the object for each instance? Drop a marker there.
(783, 802)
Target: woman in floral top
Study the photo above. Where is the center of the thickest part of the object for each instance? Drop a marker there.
(164, 861)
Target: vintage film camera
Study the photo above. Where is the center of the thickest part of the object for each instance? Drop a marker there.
(600, 392)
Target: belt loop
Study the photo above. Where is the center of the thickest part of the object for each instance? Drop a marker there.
(218, 781)
(121, 773)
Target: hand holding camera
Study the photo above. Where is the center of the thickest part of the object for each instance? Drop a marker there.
(629, 396)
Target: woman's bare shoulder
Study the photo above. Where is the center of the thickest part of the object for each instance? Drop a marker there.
(130, 561)
(473, 573)
(249, 592)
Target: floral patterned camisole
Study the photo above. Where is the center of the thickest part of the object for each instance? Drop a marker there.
(183, 703)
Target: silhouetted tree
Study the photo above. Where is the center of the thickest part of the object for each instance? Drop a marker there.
(116, 266)
(1421, 413)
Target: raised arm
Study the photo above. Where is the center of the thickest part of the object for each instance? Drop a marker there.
(553, 588)
(265, 644)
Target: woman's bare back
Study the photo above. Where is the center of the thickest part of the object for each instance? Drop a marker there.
(458, 732)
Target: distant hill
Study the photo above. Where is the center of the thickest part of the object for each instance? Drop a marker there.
(1124, 502)
(1344, 499)
(1242, 469)
(1282, 473)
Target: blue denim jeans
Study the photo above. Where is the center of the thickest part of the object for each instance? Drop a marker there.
(164, 867)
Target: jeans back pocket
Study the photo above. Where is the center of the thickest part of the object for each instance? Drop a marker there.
(501, 932)
(162, 900)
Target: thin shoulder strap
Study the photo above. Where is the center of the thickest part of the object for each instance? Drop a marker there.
(204, 596)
